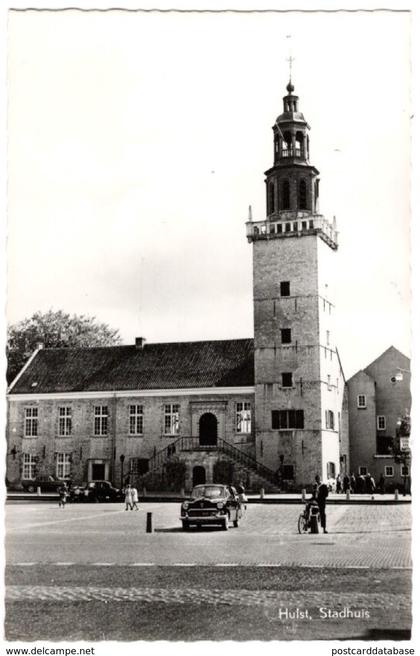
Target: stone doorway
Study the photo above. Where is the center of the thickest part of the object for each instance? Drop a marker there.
(98, 471)
(198, 475)
(208, 429)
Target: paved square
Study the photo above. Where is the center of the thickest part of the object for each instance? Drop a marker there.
(92, 559)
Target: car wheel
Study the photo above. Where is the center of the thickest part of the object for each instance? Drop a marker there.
(225, 524)
(30, 488)
(185, 525)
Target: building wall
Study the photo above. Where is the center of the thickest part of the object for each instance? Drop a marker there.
(85, 447)
(307, 263)
(387, 398)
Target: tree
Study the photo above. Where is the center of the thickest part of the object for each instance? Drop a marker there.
(54, 330)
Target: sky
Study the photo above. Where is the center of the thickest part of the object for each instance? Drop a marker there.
(137, 141)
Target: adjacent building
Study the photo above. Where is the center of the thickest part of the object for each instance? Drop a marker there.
(379, 398)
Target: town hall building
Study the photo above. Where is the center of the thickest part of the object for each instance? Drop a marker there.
(270, 411)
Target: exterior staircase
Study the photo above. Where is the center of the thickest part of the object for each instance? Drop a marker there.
(245, 468)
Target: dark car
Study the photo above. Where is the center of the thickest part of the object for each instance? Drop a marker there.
(101, 491)
(45, 483)
(211, 504)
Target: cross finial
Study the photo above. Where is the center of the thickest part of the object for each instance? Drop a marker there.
(290, 59)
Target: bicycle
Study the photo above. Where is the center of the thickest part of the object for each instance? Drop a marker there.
(309, 519)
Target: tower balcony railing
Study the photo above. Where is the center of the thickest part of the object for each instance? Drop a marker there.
(286, 153)
(291, 225)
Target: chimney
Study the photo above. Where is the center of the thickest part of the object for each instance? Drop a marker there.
(140, 342)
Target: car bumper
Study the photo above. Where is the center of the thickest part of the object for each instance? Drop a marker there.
(212, 519)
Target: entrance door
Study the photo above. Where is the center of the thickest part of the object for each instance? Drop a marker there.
(208, 430)
(198, 475)
(98, 471)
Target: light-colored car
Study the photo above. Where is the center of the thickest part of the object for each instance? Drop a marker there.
(211, 504)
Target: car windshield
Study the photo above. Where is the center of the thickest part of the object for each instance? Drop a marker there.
(209, 491)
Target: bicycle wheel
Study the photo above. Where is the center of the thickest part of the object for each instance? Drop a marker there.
(302, 526)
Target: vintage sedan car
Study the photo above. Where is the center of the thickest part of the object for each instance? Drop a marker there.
(101, 491)
(211, 504)
(45, 483)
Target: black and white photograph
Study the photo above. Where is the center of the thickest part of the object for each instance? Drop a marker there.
(208, 327)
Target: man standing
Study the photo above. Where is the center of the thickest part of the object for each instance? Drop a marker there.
(321, 493)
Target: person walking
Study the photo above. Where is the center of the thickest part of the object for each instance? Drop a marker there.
(381, 484)
(369, 483)
(62, 500)
(134, 498)
(346, 483)
(338, 484)
(128, 497)
(353, 483)
(360, 484)
(321, 493)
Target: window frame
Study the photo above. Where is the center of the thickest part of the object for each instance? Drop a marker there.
(171, 419)
(284, 288)
(31, 421)
(243, 422)
(378, 418)
(65, 426)
(63, 463)
(135, 419)
(286, 373)
(283, 335)
(288, 419)
(359, 404)
(386, 467)
(101, 418)
(31, 462)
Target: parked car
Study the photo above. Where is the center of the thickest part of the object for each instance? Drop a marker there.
(46, 483)
(76, 493)
(101, 491)
(211, 504)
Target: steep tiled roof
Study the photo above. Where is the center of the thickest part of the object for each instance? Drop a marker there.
(226, 363)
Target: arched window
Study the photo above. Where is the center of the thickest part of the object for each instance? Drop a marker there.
(285, 195)
(302, 195)
(299, 144)
(276, 144)
(271, 198)
(286, 144)
(307, 147)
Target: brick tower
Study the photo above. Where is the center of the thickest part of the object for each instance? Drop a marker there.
(298, 380)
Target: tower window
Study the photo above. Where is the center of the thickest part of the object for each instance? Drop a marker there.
(299, 144)
(381, 422)
(271, 198)
(286, 335)
(287, 379)
(287, 419)
(285, 195)
(288, 472)
(302, 195)
(285, 288)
